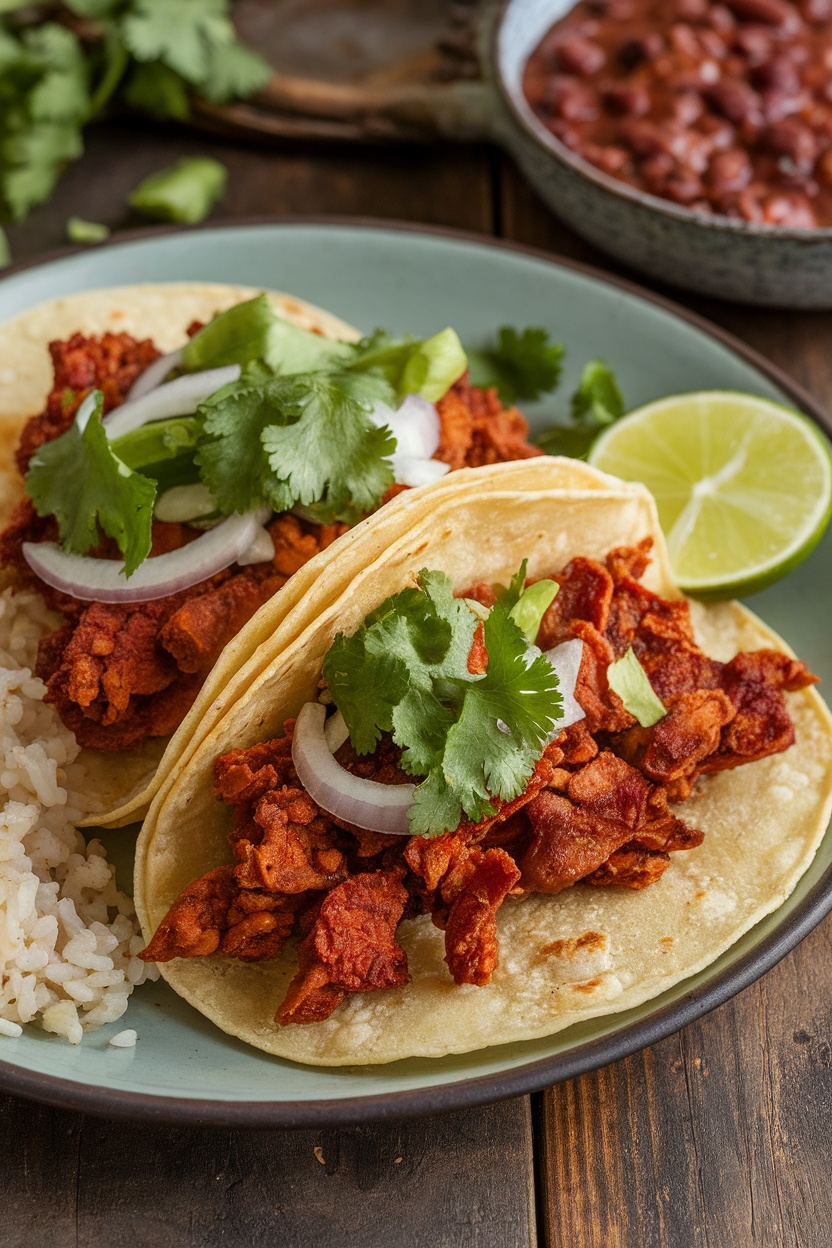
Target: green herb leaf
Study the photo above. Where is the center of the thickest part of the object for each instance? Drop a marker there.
(597, 400)
(252, 331)
(532, 605)
(428, 367)
(158, 441)
(327, 451)
(304, 439)
(80, 481)
(473, 737)
(155, 89)
(5, 250)
(596, 403)
(521, 365)
(44, 100)
(629, 680)
(233, 72)
(186, 192)
(506, 718)
(80, 231)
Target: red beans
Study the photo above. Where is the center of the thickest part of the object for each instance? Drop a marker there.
(719, 106)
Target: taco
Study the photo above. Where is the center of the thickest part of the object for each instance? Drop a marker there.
(564, 848)
(137, 666)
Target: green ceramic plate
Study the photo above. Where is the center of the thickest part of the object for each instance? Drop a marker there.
(182, 1068)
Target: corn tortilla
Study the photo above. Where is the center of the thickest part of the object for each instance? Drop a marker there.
(582, 953)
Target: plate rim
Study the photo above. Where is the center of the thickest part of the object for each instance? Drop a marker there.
(528, 1076)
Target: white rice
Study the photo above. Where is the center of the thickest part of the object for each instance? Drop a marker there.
(68, 937)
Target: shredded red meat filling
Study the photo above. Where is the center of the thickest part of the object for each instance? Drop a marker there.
(596, 809)
(119, 675)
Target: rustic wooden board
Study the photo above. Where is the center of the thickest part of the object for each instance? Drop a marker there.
(463, 1179)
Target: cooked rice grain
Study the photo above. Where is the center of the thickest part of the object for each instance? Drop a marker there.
(68, 937)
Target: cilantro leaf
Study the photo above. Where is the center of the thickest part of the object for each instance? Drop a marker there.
(78, 479)
(195, 39)
(597, 399)
(156, 89)
(596, 403)
(521, 365)
(629, 680)
(328, 452)
(44, 100)
(300, 440)
(473, 737)
(233, 72)
(185, 192)
(232, 460)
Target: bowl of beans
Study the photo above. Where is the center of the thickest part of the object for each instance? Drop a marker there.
(690, 139)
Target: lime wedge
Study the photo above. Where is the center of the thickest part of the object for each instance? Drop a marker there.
(743, 485)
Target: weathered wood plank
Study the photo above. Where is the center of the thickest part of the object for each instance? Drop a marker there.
(462, 1180)
(446, 185)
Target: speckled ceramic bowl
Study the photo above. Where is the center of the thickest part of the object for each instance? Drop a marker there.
(760, 264)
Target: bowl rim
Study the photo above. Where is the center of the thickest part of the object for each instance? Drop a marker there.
(529, 1076)
(553, 148)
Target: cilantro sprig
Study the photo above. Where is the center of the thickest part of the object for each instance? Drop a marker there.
(474, 738)
(596, 403)
(58, 75)
(296, 431)
(521, 365)
(105, 494)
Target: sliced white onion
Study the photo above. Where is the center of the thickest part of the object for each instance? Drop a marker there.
(566, 660)
(102, 580)
(336, 731)
(261, 549)
(179, 397)
(364, 803)
(414, 424)
(182, 503)
(413, 470)
(154, 375)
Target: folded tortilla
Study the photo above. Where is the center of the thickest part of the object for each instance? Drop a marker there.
(586, 951)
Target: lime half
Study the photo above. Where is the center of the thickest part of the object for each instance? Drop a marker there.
(743, 485)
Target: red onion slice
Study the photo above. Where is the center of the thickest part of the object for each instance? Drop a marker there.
(179, 397)
(154, 375)
(102, 580)
(364, 803)
(566, 660)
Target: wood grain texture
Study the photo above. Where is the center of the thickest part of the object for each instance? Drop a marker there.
(719, 1136)
(459, 1181)
(445, 185)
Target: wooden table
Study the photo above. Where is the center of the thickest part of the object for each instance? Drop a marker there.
(718, 1137)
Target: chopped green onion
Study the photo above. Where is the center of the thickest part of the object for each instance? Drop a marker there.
(80, 231)
(186, 192)
(628, 679)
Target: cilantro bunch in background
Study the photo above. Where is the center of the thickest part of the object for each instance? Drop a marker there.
(61, 65)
